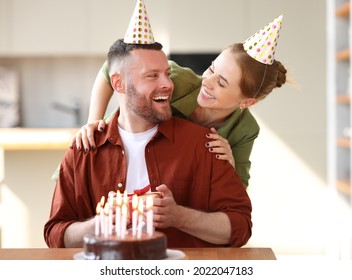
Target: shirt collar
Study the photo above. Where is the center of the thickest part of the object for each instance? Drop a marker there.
(111, 134)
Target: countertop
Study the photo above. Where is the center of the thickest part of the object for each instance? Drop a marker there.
(36, 138)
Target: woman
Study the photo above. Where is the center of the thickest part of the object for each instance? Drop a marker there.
(235, 80)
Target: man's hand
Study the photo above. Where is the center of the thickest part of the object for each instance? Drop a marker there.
(166, 211)
(213, 227)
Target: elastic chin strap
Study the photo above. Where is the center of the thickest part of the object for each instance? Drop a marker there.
(261, 84)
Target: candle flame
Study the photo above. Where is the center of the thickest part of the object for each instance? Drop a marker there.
(102, 201)
(140, 205)
(98, 209)
(118, 198)
(134, 202)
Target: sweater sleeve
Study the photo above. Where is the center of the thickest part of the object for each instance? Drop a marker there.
(105, 71)
(185, 81)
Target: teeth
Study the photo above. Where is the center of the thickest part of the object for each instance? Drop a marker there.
(161, 98)
(208, 95)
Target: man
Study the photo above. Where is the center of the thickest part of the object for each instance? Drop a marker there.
(204, 202)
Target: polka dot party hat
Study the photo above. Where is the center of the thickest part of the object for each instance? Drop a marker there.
(262, 45)
(139, 30)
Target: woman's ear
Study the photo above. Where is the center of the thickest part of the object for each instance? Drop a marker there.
(248, 102)
(117, 82)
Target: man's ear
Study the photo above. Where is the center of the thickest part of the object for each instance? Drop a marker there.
(117, 82)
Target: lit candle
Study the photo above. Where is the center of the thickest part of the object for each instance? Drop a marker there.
(149, 206)
(140, 218)
(123, 220)
(125, 201)
(106, 220)
(134, 214)
(125, 198)
(102, 226)
(97, 220)
(118, 198)
(118, 213)
(110, 204)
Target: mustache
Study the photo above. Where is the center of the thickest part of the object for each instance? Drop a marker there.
(162, 92)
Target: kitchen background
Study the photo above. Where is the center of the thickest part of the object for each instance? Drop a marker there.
(54, 49)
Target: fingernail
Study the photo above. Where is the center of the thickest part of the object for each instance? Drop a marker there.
(86, 149)
(100, 129)
(93, 147)
(207, 135)
(211, 149)
(217, 156)
(79, 147)
(206, 144)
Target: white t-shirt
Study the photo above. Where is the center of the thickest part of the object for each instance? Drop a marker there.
(134, 143)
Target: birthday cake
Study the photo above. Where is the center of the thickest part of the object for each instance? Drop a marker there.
(115, 240)
(146, 247)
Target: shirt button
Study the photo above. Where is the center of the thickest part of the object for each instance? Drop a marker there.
(123, 152)
(119, 185)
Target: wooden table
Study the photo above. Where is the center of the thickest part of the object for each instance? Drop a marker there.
(191, 254)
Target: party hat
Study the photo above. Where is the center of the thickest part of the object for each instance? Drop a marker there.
(262, 45)
(139, 30)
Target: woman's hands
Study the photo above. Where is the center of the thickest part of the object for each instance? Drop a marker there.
(217, 144)
(85, 136)
(220, 146)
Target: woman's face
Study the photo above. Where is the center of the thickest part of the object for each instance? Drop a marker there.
(220, 87)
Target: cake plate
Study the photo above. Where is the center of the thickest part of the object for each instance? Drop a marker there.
(171, 255)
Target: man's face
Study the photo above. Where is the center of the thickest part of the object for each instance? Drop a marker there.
(148, 85)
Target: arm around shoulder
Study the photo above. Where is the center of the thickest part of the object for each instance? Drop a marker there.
(100, 96)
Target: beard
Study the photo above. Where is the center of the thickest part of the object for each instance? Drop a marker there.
(143, 107)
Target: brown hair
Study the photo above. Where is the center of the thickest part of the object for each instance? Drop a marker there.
(258, 79)
(120, 50)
